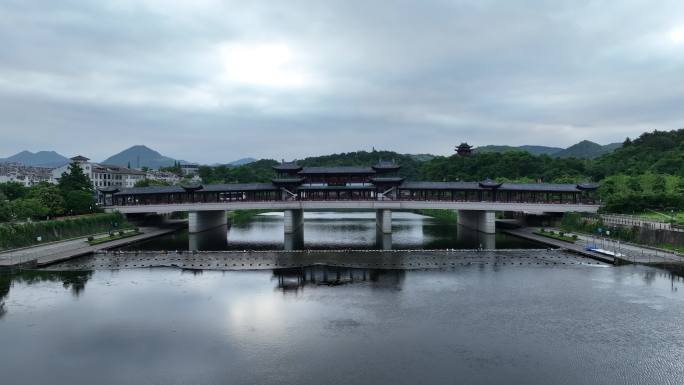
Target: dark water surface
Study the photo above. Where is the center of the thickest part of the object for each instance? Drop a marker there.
(479, 325)
(518, 317)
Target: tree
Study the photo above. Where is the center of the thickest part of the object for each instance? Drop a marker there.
(75, 180)
(5, 211)
(51, 197)
(634, 184)
(79, 202)
(150, 182)
(26, 208)
(13, 190)
(659, 184)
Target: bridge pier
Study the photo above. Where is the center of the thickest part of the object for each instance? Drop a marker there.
(383, 219)
(482, 221)
(199, 221)
(294, 221)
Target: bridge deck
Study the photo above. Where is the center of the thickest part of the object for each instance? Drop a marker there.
(357, 205)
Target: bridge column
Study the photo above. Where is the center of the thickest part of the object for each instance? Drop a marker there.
(294, 221)
(199, 221)
(383, 219)
(483, 221)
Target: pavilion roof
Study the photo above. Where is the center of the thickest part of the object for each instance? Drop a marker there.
(337, 170)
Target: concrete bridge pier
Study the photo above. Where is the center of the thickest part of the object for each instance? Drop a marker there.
(294, 221)
(482, 221)
(383, 241)
(383, 219)
(199, 221)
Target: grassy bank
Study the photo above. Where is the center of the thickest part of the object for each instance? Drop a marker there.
(27, 234)
(240, 217)
(445, 216)
(559, 235)
(113, 236)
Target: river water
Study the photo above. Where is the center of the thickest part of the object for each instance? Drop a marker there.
(512, 320)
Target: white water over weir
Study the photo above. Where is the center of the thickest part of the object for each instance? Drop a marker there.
(368, 259)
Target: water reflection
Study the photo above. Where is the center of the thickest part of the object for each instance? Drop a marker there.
(289, 280)
(74, 281)
(335, 230)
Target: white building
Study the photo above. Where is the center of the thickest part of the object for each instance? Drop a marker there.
(189, 169)
(163, 176)
(103, 175)
(25, 175)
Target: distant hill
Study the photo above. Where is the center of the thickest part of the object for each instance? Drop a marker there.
(39, 159)
(140, 156)
(243, 161)
(587, 150)
(534, 150)
(583, 150)
(658, 152)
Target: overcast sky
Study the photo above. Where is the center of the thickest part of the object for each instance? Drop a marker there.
(213, 81)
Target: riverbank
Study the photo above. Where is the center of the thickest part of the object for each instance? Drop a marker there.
(625, 252)
(445, 216)
(19, 235)
(60, 251)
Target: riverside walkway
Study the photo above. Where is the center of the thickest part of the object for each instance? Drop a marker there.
(630, 253)
(59, 251)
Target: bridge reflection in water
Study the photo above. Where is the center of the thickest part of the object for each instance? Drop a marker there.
(333, 231)
(217, 239)
(296, 279)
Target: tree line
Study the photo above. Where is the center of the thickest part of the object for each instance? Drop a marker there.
(73, 195)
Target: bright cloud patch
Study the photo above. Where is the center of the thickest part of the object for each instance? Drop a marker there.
(264, 65)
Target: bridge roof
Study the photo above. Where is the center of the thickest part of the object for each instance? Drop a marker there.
(336, 170)
(543, 187)
(228, 187)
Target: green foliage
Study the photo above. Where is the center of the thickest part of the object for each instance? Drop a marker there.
(259, 171)
(13, 190)
(150, 182)
(176, 168)
(410, 166)
(445, 216)
(24, 234)
(79, 202)
(49, 196)
(28, 208)
(510, 166)
(658, 152)
(75, 180)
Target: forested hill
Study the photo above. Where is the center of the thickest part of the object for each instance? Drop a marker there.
(261, 171)
(658, 152)
(410, 166)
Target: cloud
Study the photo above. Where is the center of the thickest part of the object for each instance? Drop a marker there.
(215, 80)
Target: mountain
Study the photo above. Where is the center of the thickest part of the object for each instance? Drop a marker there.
(40, 159)
(534, 150)
(242, 162)
(587, 150)
(140, 156)
(583, 150)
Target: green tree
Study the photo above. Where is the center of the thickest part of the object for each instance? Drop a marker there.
(634, 184)
(26, 208)
(150, 182)
(13, 190)
(75, 180)
(79, 202)
(51, 197)
(659, 184)
(5, 211)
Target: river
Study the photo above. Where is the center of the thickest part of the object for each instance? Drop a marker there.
(511, 320)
